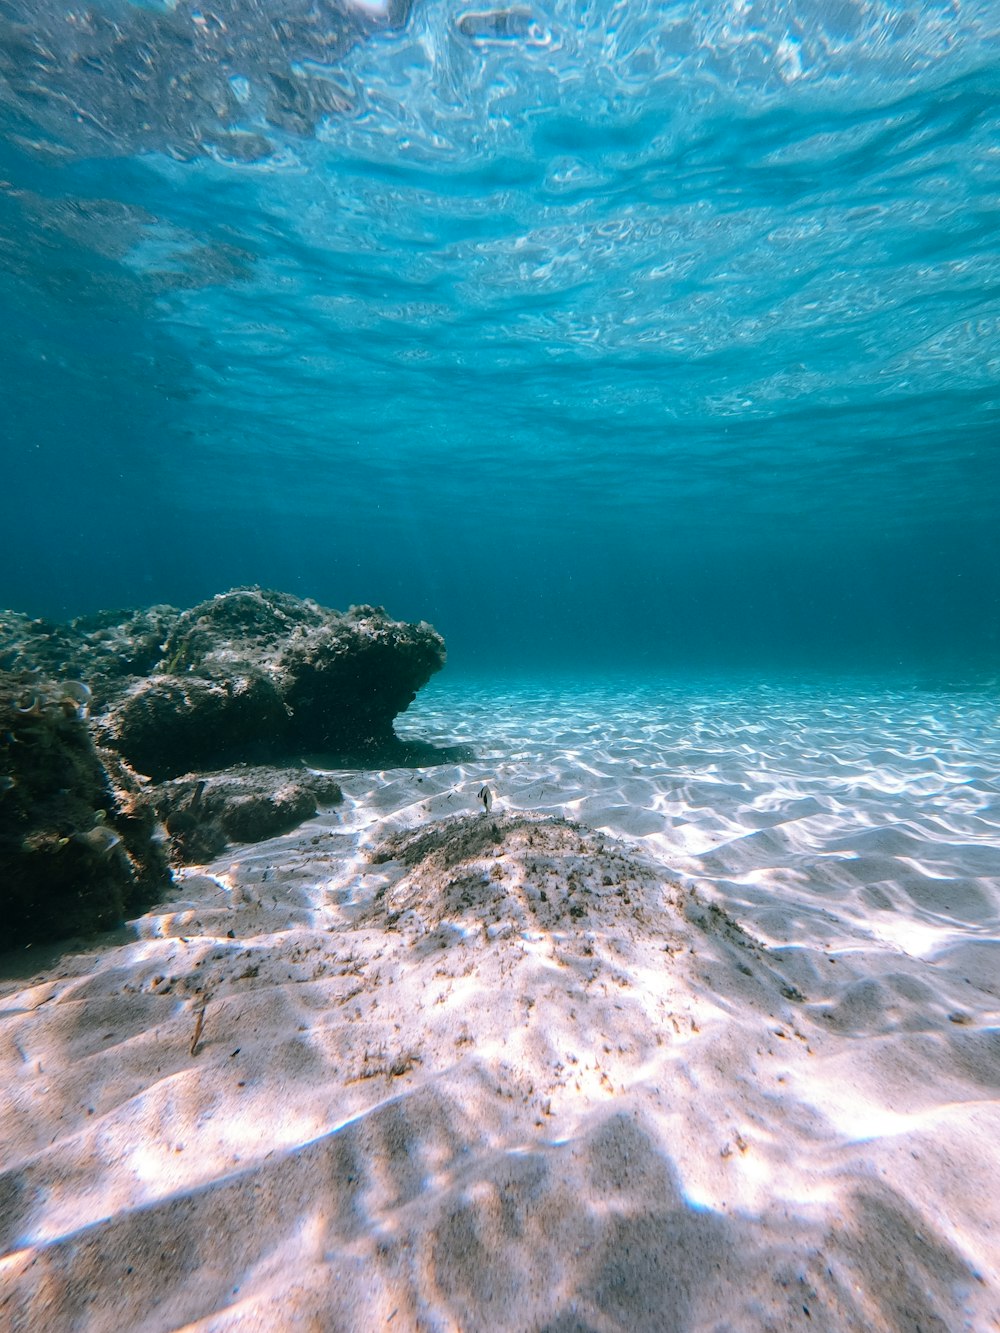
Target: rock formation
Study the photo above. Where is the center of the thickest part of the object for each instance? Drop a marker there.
(203, 813)
(253, 675)
(80, 843)
(249, 677)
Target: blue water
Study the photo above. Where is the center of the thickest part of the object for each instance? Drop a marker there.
(599, 335)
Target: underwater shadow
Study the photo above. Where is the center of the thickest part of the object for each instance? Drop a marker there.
(399, 754)
(410, 1211)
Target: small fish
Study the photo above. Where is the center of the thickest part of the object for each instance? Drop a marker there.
(486, 796)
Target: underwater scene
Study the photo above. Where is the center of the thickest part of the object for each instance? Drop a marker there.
(500, 665)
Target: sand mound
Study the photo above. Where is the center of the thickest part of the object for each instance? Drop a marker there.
(502, 988)
(520, 873)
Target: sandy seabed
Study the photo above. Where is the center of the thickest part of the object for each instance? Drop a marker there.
(695, 1029)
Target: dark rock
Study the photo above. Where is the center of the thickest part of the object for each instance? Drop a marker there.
(106, 650)
(254, 675)
(80, 843)
(249, 676)
(346, 681)
(235, 626)
(203, 812)
(174, 724)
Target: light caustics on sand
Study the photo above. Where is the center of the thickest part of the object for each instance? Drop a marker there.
(798, 1058)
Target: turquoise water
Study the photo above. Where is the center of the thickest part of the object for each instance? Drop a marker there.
(613, 336)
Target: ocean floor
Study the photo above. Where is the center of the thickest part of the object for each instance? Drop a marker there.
(726, 1057)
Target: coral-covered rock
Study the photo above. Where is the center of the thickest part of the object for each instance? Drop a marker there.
(80, 844)
(166, 725)
(254, 675)
(235, 627)
(107, 649)
(203, 812)
(345, 681)
(248, 677)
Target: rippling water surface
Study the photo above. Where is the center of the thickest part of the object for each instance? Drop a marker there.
(651, 332)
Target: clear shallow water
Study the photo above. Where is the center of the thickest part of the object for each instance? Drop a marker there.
(821, 811)
(649, 334)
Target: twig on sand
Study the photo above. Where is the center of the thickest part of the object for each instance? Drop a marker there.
(199, 1023)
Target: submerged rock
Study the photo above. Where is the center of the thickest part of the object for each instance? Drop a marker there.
(167, 725)
(203, 812)
(252, 675)
(107, 649)
(249, 676)
(81, 846)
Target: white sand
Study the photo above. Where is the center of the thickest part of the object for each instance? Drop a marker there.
(426, 1097)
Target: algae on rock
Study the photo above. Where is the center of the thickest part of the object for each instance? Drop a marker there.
(80, 844)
